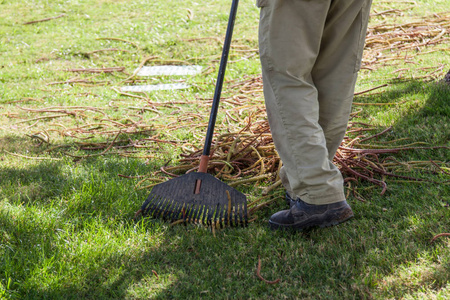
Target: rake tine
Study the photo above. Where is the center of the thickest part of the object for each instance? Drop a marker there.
(215, 213)
(211, 209)
(236, 213)
(229, 210)
(167, 210)
(202, 217)
(224, 211)
(211, 215)
(228, 216)
(240, 212)
(172, 210)
(195, 208)
(144, 206)
(245, 215)
(205, 220)
(187, 210)
(232, 216)
(176, 211)
(150, 208)
(183, 213)
(221, 214)
(191, 212)
(159, 207)
(232, 211)
(162, 209)
(223, 217)
(169, 207)
(198, 212)
(206, 211)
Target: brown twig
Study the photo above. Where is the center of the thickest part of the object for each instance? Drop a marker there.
(98, 154)
(97, 70)
(44, 20)
(40, 118)
(106, 50)
(130, 177)
(258, 274)
(438, 236)
(377, 182)
(31, 157)
(376, 135)
(118, 39)
(372, 89)
(440, 169)
(141, 65)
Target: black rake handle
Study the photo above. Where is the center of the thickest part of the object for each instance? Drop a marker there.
(219, 83)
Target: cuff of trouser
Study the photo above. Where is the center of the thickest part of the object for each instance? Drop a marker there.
(323, 199)
(262, 3)
(285, 182)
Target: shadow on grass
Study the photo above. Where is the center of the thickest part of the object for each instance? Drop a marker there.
(420, 114)
(431, 122)
(67, 232)
(410, 94)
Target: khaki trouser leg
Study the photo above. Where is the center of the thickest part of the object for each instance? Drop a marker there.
(310, 54)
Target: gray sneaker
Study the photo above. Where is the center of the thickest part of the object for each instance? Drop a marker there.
(302, 215)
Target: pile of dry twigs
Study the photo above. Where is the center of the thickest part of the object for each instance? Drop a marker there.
(247, 155)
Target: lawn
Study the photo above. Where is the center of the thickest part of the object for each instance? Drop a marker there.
(79, 156)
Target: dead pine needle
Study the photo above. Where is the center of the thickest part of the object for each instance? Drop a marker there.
(258, 274)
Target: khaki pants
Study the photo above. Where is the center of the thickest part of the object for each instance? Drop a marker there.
(310, 55)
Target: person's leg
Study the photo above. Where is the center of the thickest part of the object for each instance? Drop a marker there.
(290, 41)
(310, 53)
(335, 71)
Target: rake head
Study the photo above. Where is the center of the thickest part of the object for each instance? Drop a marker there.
(197, 197)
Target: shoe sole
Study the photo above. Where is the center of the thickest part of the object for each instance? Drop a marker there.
(343, 216)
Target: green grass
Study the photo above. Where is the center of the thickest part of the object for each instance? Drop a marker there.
(66, 224)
